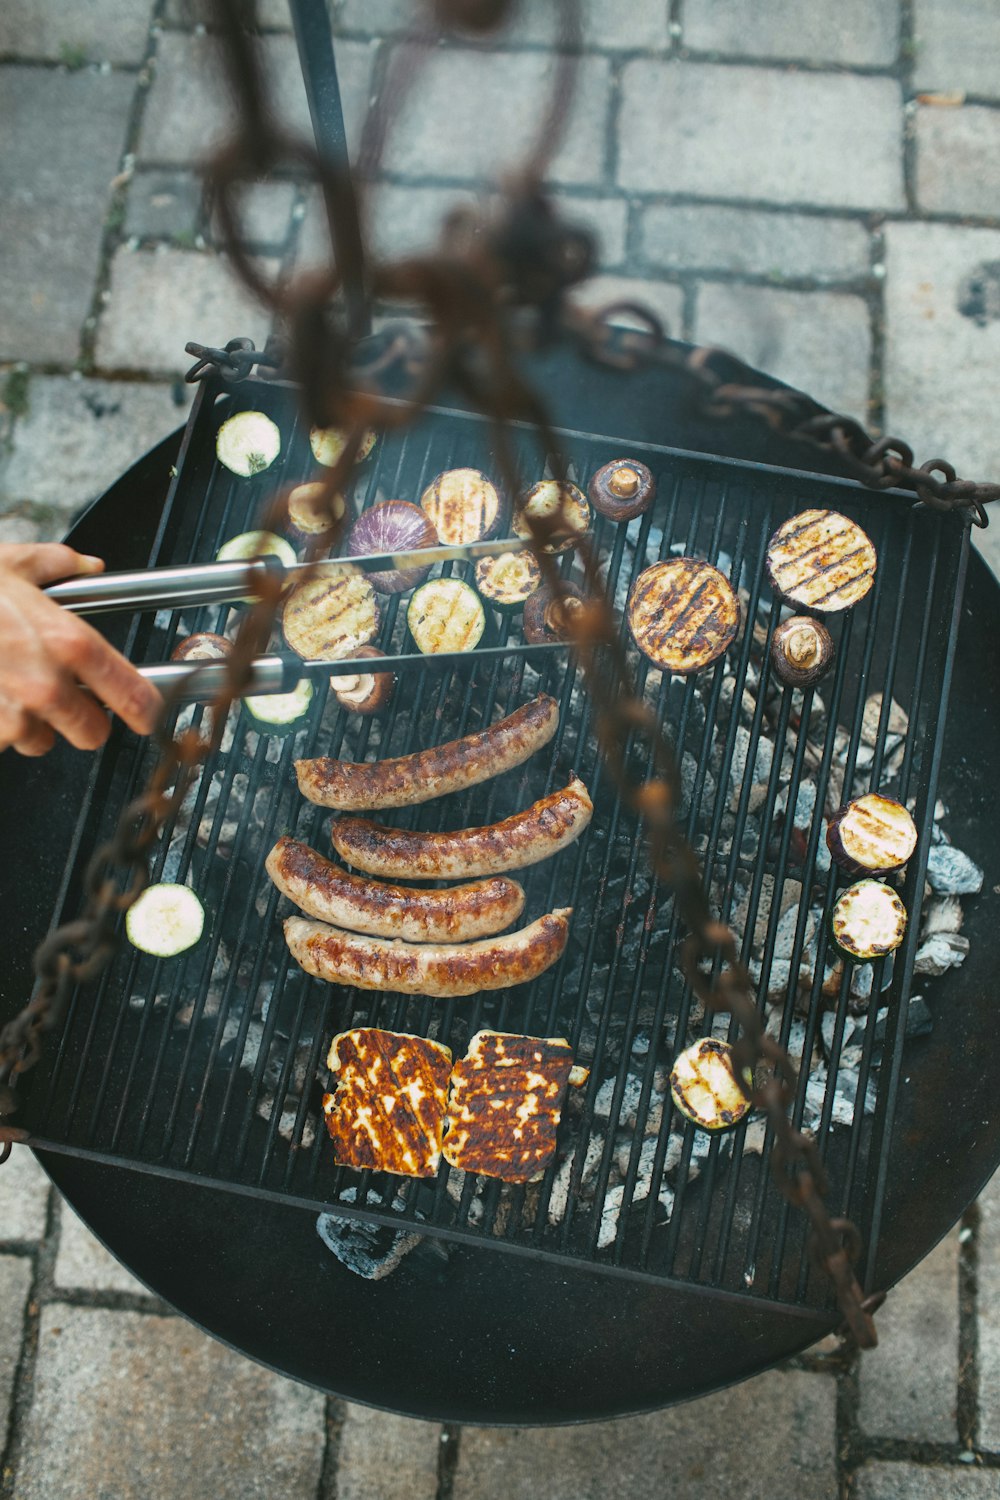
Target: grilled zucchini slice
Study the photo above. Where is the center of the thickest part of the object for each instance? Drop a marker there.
(446, 615)
(279, 713)
(508, 580)
(704, 1086)
(871, 835)
(868, 921)
(463, 506)
(329, 617)
(165, 920)
(683, 614)
(563, 506)
(247, 443)
(821, 560)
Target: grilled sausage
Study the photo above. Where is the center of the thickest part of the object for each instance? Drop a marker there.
(455, 915)
(354, 786)
(443, 969)
(524, 839)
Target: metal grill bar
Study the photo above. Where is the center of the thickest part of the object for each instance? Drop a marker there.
(208, 1068)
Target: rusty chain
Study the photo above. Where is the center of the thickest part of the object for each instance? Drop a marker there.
(496, 285)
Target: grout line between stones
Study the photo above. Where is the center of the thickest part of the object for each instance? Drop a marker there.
(907, 58)
(24, 1375)
(849, 1453)
(612, 124)
(448, 1451)
(334, 1414)
(876, 312)
(967, 1405)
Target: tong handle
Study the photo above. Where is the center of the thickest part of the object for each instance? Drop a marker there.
(164, 588)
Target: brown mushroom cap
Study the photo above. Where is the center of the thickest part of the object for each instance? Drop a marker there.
(204, 645)
(546, 616)
(801, 651)
(622, 489)
(367, 693)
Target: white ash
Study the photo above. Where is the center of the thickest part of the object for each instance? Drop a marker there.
(941, 914)
(941, 951)
(952, 873)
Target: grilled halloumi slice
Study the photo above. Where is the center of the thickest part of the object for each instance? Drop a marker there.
(683, 614)
(821, 560)
(505, 1104)
(388, 1109)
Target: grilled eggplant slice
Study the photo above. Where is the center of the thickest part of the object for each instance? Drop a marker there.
(868, 921)
(327, 618)
(622, 489)
(548, 618)
(446, 615)
(683, 614)
(801, 651)
(508, 580)
(368, 693)
(165, 920)
(327, 444)
(463, 506)
(248, 443)
(871, 835)
(821, 560)
(563, 507)
(704, 1085)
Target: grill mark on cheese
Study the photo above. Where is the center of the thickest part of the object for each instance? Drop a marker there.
(505, 1104)
(372, 1066)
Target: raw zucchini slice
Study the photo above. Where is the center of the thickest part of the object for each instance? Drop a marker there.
(704, 1086)
(279, 713)
(248, 443)
(871, 835)
(551, 501)
(868, 921)
(165, 920)
(463, 506)
(446, 615)
(328, 617)
(327, 444)
(821, 560)
(508, 580)
(683, 614)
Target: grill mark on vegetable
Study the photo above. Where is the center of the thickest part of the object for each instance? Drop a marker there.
(825, 562)
(683, 614)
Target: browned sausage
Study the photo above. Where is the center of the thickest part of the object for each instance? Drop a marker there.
(442, 969)
(321, 889)
(354, 786)
(524, 839)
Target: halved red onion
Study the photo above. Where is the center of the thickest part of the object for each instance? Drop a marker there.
(392, 526)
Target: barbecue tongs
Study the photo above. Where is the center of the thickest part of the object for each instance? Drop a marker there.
(195, 584)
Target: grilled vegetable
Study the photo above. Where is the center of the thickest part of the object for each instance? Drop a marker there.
(871, 835)
(279, 713)
(821, 560)
(868, 921)
(308, 514)
(508, 580)
(801, 651)
(463, 506)
(562, 507)
(248, 443)
(327, 444)
(392, 526)
(622, 489)
(704, 1085)
(327, 618)
(547, 618)
(683, 614)
(251, 544)
(368, 693)
(446, 615)
(203, 646)
(165, 920)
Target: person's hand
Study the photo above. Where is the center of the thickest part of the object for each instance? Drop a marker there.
(46, 652)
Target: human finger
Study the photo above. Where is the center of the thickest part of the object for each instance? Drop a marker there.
(114, 681)
(35, 738)
(44, 562)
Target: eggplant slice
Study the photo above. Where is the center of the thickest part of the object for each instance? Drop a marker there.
(463, 506)
(871, 835)
(868, 921)
(563, 507)
(329, 617)
(683, 614)
(821, 560)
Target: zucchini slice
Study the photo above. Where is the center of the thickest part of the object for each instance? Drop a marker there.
(328, 443)
(509, 580)
(165, 920)
(446, 615)
(463, 506)
(247, 443)
(821, 560)
(251, 544)
(868, 921)
(279, 713)
(329, 617)
(871, 835)
(563, 506)
(704, 1086)
(683, 614)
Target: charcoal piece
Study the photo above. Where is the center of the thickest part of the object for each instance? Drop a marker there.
(372, 1251)
(941, 952)
(919, 1019)
(941, 915)
(952, 873)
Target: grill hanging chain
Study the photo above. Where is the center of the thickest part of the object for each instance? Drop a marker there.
(497, 287)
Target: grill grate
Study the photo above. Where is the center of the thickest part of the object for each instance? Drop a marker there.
(210, 1066)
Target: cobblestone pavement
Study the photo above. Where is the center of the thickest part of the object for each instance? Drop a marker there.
(818, 188)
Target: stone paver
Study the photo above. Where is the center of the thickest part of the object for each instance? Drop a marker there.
(817, 341)
(163, 204)
(814, 138)
(132, 1406)
(881, 1481)
(265, 211)
(716, 1446)
(909, 1384)
(853, 31)
(15, 1284)
(492, 103)
(943, 342)
(78, 435)
(271, 14)
(82, 1263)
(62, 136)
(161, 299)
(607, 24)
(75, 31)
(957, 45)
(684, 237)
(989, 1317)
(24, 1193)
(958, 160)
(387, 1456)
